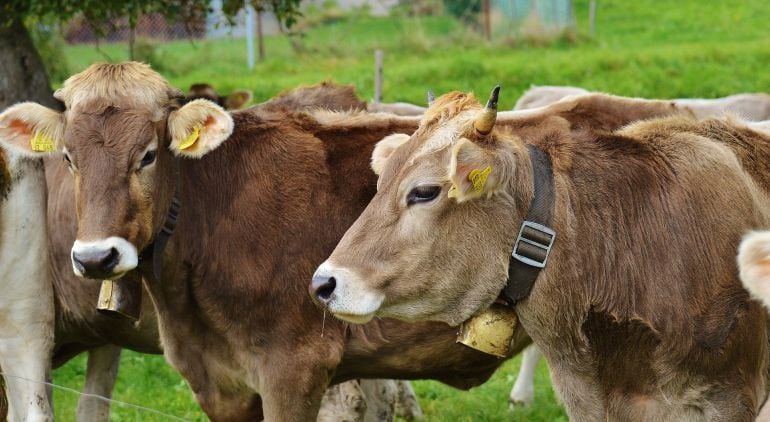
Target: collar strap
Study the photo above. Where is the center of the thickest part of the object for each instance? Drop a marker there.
(154, 251)
(536, 237)
(159, 244)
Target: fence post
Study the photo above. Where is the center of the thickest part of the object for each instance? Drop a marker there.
(378, 56)
(260, 36)
(592, 17)
(249, 34)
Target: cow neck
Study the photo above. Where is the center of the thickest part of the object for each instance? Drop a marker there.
(536, 235)
(155, 250)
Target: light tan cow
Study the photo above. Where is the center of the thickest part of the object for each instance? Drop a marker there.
(748, 106)
(639, 310)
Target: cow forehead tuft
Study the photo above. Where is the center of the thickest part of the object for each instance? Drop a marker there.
(124, 85)
(447, 106)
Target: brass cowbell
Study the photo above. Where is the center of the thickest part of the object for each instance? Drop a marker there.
(490, 331)
(121, 298)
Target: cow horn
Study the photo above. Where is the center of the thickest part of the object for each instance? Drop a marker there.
(486, 120)
(431, 97)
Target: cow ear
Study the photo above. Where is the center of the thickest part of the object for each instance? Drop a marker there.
(754, 265)
(237, 99)
(474, 171)
(385, 148)
(198, 128)
(31, 129)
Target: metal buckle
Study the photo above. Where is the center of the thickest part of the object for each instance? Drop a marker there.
(547, 248)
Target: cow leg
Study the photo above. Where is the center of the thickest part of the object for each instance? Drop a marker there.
(343, 402)
(523, 391)
(381, 396)
(580, 393)
(292, 391)
(26, 359)
(101, 374)
(223, 406)
(407, 405)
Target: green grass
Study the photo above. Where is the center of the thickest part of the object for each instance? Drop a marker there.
(650, 48)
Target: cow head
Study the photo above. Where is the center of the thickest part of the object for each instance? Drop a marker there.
(435, 241)
(233, 101)
(119, 133)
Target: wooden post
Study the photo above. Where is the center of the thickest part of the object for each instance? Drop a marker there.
(260, 36)
(131, 42)
(487, 20)
(592, 18)
(378, 56)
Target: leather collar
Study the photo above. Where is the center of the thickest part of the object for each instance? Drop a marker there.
(536, 237)
(154, 251)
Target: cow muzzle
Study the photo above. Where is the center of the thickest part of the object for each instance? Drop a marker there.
(104, 259)
(343, 293)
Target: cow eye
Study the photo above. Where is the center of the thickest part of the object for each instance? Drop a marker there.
(421, 194)
(148, 158)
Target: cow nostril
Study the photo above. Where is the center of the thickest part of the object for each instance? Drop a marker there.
(111, 260)
(79, 264)
(325, 291)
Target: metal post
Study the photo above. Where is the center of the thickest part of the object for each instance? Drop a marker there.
(249, 34)
(592, 17)
(378, 56)
(260, 36)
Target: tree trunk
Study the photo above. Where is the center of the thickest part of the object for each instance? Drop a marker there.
(3, 401)
(22, 74)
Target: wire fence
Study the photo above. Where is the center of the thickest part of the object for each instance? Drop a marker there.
(143, 409)
(537, 19)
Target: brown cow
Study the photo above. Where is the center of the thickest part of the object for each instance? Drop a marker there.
(80, 328)
(232, 101)
(639, 311)
(258, 213)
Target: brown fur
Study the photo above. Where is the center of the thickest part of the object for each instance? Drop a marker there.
(235, 316)
(233, 101)
(639, 312)
(326, 95)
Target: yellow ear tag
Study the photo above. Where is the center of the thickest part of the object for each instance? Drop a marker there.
(478, 178)
(42, 143)
(191, 138)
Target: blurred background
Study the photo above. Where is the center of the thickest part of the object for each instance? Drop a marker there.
(646, 48)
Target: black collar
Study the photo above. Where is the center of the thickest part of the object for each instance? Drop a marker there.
(536, 237)
(154, 251)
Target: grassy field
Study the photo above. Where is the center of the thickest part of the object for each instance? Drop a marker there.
(651, 48)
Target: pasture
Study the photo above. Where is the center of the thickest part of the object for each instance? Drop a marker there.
(643, 48)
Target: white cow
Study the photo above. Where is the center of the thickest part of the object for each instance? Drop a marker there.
(26, 304)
